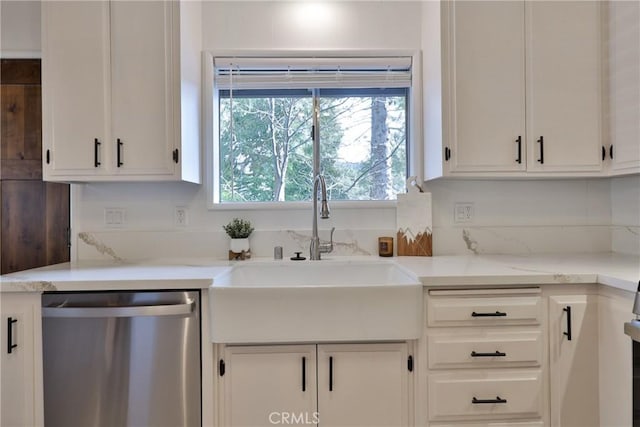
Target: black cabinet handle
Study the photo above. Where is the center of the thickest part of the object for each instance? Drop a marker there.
(496, 354)
(604, 153)
(10, 344)
(96, 153)
(489, 401)
(611, 151)
(541, 141)
(48, 156)
(567, 310)
(519, 141)
(304, 374)
(330, 373)
(496, 314)
(176, 155)
(119, 155)
(447, 154)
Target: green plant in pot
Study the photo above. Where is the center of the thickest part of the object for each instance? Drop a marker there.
(239, 230)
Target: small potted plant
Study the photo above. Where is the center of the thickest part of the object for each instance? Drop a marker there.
(239, 230)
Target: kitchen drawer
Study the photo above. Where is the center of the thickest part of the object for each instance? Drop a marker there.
(458, 308)
(484, 347)
(493, 424)
(452, 394)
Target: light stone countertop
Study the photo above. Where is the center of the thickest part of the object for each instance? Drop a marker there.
(614, 270)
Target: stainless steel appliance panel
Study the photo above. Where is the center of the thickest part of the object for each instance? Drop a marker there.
(122, 359)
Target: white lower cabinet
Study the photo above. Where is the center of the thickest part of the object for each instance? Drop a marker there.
(486, 363)
(573, 360)
(327, 384)
(20, 360)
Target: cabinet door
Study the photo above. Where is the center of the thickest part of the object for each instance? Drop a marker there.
(624, 85)
(265, 385)
(75, 87)
(363, 385)
(21, 365)
(574, 360)
(563, 86)
(141, 74)
(488, 86)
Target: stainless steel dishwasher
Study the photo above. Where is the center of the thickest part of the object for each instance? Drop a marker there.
(122, 359)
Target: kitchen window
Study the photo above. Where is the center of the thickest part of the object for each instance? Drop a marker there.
(263, 118)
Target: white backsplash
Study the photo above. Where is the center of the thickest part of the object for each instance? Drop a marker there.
(510, 217)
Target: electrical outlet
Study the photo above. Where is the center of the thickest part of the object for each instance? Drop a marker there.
(180, 216)
(115, 217)
(463, 212)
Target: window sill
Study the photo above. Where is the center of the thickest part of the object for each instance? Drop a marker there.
(275, 206)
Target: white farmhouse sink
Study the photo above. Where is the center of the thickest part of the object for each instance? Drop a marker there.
(315, 301)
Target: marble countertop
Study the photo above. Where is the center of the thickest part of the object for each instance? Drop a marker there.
(614, 270)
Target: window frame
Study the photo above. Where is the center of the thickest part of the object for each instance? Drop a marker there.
(210, 131)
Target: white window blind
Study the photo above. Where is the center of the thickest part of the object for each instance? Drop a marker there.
(303, 73)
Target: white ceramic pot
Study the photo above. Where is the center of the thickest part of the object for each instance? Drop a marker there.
(239, 245)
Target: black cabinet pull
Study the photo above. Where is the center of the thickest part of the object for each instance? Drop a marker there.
(567, 310)
(611, 151)
(119, 154)
(447, 154)
(496, 314)
(221, 368)
(489, 401)
(604, 153)
(519, 141)
(330, 373)
(10, 344)
(48, 156)
(541, 141)
(410, 363)
(96, 153)
(176, 155)
(304, 374)
(496, 354)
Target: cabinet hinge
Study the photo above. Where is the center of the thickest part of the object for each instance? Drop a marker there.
(176, 155)
(410, 363)
(221, 368)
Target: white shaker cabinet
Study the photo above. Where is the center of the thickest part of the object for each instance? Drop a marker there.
(522, 89)
(330, 384)
(121, 98)
(573, 350)
(21, 360)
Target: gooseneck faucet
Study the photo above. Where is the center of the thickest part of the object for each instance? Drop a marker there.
(316, 248)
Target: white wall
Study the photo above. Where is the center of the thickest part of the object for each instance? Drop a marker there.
(625, 214)
(20, 29)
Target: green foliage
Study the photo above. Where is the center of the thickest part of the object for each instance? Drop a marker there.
(238, 228)
(270, 157)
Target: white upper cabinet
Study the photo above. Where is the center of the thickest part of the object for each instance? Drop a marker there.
(522, 89)
(488, 88)
(118, 98)
(564, 86)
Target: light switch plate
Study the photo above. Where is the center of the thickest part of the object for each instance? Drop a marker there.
(463, 212)
(115, 217)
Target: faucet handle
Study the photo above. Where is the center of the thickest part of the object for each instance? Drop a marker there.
(328, 247)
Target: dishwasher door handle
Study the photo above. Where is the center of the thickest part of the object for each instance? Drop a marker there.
(126, 311)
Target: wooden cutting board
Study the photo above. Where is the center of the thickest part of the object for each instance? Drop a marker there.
(414, 223)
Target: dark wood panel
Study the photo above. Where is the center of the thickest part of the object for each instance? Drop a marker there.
(57, 222)
(20, 71)
(35, 222)
(21, 169)
(21, 122)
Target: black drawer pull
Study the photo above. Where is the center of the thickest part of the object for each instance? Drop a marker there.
(330, 373)
(10, 344)
(519, 141)
(304, 374)
(541, 142)
(488, 401)
(496, 314)
(496, 354)
(96, 153)
(119, 154)
(567, 310)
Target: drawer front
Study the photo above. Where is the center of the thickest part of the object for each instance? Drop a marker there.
(496, 424)
(479, 348)
(485, 395)
(484, 311)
